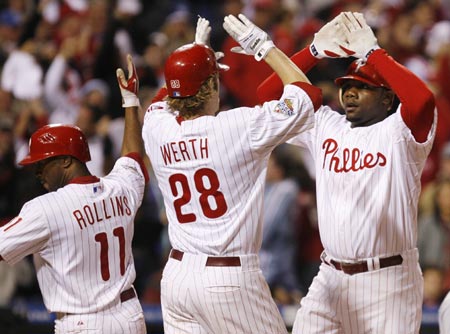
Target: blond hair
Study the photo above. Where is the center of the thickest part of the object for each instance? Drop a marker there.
(194, 105)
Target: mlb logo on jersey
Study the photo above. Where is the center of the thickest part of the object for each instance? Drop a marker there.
(98, 188)
(285, 107)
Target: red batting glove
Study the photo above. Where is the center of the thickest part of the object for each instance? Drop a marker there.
(129, 88)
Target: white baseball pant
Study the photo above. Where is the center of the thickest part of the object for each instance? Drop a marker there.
(125, 317)
(387, 300)
(197, 298)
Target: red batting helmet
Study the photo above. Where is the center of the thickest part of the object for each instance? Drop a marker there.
(188, 67)
(365, 73)
(57, 139)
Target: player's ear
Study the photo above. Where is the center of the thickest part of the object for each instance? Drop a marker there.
(66, 161)
(388, 99)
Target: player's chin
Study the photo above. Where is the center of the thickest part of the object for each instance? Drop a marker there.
(351, 117)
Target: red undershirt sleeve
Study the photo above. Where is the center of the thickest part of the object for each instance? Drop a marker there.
(417, 101)
(160, 95)
(272, 88)
(314, 93)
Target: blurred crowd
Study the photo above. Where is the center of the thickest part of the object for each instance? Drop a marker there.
(57, 65)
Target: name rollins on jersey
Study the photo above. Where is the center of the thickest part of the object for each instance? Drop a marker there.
(99, 211)
(184, 150)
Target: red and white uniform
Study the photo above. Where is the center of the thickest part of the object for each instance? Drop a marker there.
(211, 171)
(368, 185)
(444, 315)
(80, 236)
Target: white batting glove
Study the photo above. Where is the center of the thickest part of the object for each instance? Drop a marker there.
(203, 31)
(328, 40)
(252, 39)
(128, 88)
(202, 36)
(361, 39)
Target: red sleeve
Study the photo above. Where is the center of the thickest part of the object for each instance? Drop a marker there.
(314, 93)
(417, 100)
(272, 87)
(162, 93)
(244, 72)
(136, 156)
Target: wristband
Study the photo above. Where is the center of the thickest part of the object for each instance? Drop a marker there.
(264, 49)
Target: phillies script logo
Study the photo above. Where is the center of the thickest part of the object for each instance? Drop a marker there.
(350, 160)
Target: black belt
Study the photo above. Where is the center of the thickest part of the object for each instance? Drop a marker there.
(124, 296)
(127, 295)
(362, 267)
(212, 261)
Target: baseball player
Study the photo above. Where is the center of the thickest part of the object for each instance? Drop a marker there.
(444, 315)
(368, 165)
(211, 168)
(80, 232)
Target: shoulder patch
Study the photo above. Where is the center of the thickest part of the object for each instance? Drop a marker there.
(285, 107)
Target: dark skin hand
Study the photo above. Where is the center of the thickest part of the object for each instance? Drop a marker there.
(365, 105)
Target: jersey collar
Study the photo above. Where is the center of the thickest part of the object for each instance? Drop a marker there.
(84, 179)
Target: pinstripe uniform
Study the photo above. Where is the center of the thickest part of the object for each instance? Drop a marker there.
(80, 236)
(360, 225)
(444, 315)
(211, 172)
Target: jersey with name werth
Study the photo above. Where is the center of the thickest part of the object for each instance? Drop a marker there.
(211, 170)
(81, 235)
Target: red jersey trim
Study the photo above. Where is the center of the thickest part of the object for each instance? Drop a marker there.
(138, 158)
(84, 179)
(160, 95)
(314, 93)
(19, 219)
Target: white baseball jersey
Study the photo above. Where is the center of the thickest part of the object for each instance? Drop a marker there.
(368, 184)
(211, 170)
(444, 315)
(80, 236)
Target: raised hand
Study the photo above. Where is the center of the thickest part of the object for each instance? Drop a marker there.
(361, 40)
(203, 31)
(202, 36)
(328, 41)
(253, 40)
(129, 88)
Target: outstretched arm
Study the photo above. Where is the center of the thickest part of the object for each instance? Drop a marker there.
(326, 44)
(132, 139)
(417, 101)
(132, 144)
(256, 42)
(272, 87)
